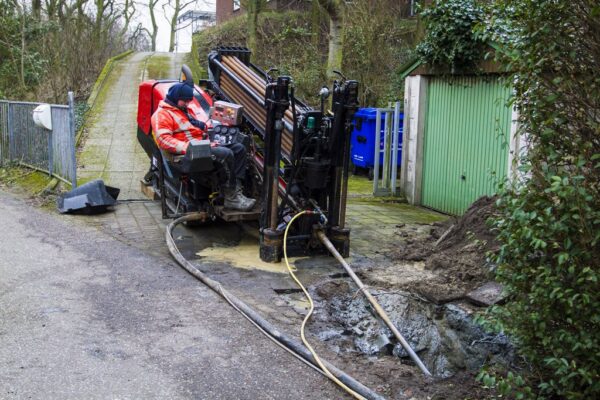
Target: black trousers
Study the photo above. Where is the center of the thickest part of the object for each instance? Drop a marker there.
(233, 157)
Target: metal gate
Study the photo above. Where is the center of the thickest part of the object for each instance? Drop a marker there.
(24, 143)
(466, 141)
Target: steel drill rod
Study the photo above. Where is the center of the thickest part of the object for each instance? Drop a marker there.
(344, 193)
(243, 75)
(252, 71)
(256, 112)
(253, 109)
(288, 119)
(239, 83)
(248, 101)
(378, 309)
(249, 76)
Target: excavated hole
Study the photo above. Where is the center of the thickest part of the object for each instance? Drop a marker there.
(444, 336)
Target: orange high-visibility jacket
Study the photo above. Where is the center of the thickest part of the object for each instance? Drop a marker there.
(172, 129)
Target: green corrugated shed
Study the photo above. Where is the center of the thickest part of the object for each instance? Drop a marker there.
(466, 140)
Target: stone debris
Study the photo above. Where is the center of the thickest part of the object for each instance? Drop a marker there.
(487, 295)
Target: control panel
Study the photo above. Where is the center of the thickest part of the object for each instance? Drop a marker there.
(228, 114)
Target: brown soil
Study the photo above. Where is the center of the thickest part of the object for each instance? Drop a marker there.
(458, 262)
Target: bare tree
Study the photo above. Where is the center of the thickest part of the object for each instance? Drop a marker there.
(138, 39)
(154, 33)
(129, 11)
(178, 6)
(36, 8)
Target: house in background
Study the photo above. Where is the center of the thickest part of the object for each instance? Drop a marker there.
(188, 23)
(227, 9)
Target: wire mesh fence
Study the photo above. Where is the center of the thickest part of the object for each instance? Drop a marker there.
(22, 142)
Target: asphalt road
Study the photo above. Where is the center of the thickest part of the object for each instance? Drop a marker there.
(84, 316)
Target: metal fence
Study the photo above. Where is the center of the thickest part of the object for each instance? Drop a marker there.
(392, 145)
(22, 142)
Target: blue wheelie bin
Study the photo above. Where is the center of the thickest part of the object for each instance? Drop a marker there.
(362, 140)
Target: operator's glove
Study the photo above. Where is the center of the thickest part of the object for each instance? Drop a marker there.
(198, 124)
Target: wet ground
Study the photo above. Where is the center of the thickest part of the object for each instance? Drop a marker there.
(344, 329)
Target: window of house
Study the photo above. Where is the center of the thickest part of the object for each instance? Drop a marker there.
(236, 5)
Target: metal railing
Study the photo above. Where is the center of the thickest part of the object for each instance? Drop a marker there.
(51, 151)
(392, 145)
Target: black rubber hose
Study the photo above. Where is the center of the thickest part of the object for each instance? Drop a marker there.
(266, 326)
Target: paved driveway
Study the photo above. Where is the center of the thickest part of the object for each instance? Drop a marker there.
(83, 316)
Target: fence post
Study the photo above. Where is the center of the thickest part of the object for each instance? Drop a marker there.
(376, 161)
(11, 144)
(388, 130)
(395, 146)
(72, 139)
(50, 149)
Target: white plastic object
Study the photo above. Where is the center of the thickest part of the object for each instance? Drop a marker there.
(42, 116)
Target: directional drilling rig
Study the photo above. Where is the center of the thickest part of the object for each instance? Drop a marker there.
(300, 155)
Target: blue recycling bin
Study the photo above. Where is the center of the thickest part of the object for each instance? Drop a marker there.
(362, 140)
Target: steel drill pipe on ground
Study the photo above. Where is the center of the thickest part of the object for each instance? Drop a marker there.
(378, 309)
(264, 326)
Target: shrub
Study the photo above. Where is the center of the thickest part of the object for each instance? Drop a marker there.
(549, 223)
(450, 40)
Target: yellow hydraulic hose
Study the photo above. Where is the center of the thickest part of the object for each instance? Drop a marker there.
(310, 311)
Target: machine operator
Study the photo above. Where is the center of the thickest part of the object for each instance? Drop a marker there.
(174, 124)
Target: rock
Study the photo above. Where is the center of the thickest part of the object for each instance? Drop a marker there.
(486, 295)
(381, 342)
(439, 294)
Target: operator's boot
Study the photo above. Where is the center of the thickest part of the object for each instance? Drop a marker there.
(235, 199)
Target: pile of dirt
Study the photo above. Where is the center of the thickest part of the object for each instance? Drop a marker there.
(455, 251)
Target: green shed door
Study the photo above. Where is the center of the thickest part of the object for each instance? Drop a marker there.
(465, 151)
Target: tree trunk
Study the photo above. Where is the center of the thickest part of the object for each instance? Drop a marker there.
(336, 45)
(99, 17)
(21, 14)
(36, 7)
(151, 4)
(128, 13)
(335, 56)
(174, 26)
(253, 9)
(315, 21)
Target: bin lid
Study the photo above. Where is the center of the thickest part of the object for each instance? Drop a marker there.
(367, 112)
(370, 113)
